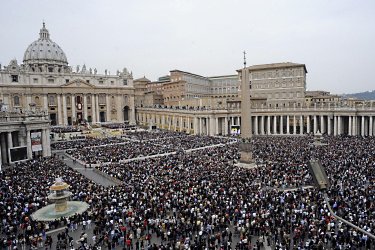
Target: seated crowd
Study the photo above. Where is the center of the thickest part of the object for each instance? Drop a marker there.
(65, 129)
(87, 142)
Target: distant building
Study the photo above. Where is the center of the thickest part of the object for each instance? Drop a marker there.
(279, 101)
(281, 85)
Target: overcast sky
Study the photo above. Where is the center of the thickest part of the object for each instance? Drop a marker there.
(335, 39)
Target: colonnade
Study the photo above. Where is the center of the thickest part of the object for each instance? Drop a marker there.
(22, 138)
(202, 124)
(210, 123)
(93, 109)
(292, 124)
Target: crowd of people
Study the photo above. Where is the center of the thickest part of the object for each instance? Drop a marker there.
(138, 144)
(65, 129)
(201, 199)
(118, 126)
(87, 142)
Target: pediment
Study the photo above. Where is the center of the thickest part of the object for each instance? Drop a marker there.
(78, 83)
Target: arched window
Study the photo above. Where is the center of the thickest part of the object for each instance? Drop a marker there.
(16, 100)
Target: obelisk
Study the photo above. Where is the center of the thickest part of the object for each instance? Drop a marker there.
(246, 130)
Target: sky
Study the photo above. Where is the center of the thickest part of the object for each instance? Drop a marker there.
(335, 39)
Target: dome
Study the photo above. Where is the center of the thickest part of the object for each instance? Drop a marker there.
(44, 51)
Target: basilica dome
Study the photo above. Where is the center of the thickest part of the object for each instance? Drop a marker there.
(44, 51)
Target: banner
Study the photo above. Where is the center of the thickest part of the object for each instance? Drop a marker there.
(36, 141)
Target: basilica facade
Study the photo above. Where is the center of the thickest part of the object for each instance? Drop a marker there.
(44, 81)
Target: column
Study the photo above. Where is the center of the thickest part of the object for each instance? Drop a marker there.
(217, 125)
(108, 105)
(97, 108)
(225, 125)
(322, 125)
(3, 147)
(162, 122)
(212, 126)
(339, 125)
(85, 107)
(74, 115)
(59, 110)
(45, 102)
(48, 140)
(281, 125)
(256, 125)
(275, 124)
(28, 143)
(355, 125)
(308, 124)
(132, 113)
(120, 108)
(371, 130)
(294, 125)
(262, 125)
(363, 126)
(207, 126)
(65, 117)
(188, 128)
(93, 112)
(329, 125)
(315, 125)
(44, 143)
(350, 126)
(181, 124)
(301, 124)
(268, 125)
(10, 144)
(287, 125)
(335, 125)
(200, 125)
(196, 122)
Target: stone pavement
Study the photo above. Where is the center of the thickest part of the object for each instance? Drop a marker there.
(87, 172)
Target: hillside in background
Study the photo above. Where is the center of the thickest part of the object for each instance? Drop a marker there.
(368, 95)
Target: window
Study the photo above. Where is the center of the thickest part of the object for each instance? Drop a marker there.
(35, 80)
(88, 98)
(51, 80)
(16, 100)
(101, 99)
(88, 81)
(51, 100)
(14, 78)
(125, 81)
(101, 82)
(66, 80)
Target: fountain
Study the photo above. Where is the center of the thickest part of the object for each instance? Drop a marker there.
(62, 207)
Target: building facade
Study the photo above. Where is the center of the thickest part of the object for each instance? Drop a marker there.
(23, 136)
(280, 105)
(45, 80)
